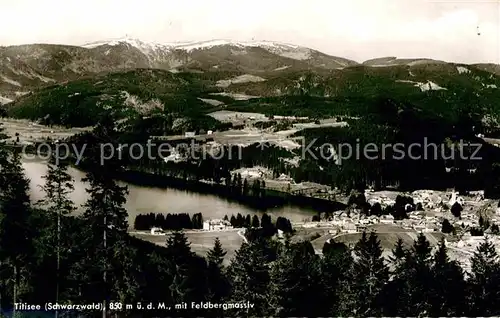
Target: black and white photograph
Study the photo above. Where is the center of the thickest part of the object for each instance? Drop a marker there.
(319, 158)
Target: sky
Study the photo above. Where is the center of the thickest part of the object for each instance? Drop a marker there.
(356, 29)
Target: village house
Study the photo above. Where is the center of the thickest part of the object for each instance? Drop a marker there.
(349, 228)
(157, 231)
(360, 228)
(216, 225)
(387, 219)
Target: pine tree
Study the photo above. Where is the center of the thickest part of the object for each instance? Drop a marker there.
(245, 187)
(370, 273)
(495, 229)
(456, 210)
(248, 221)
(336, 280)
(216, 255)
(447, 297)
(447, 227)
(58, 186)
(485, 281)
(398, 254)
(295, 279)
(126, 274)
(179, 248)
(417, 277)
(249, 276)
(393, 292)
(255, 221)
(189, 271)
(17, 232)
(217, 282)
(107, 219)
(422, 250)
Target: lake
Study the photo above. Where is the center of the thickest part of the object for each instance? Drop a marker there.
(143, 199)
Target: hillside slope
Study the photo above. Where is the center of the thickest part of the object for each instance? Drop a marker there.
(442, 88)
(137, 92)
(26, 67)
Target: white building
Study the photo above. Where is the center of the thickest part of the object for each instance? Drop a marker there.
(349, 228)
(216, 225)
(387, 219)
(455, 198)
(157, 231)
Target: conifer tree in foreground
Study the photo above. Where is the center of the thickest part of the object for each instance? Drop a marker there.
(107, 221)
(447, 296)
(294, 282)
(485, 281)
(417, 278)
(250, 278)
(370, 275)
(336, 275)
(104, 213)
(57, 188)
(255, 221)
(217, 282)
(398, 254)
(188, 270)
(16, 241)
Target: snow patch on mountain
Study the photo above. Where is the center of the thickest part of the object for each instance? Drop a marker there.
(462, 70)
(424, 86)
(5, 100)
(269, 45)
(282, 68)
(302, 54)
(143, 46)
(212, 102)
(144, 108)
(150, 49)
(235, 96)
(429, 86)
(10, 81)
(407, 81)
(30, 75)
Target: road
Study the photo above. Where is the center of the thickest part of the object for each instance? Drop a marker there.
(241, 233)
(187, 231)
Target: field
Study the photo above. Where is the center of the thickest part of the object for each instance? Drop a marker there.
(31, 132)
(202, 241)
(387, 234)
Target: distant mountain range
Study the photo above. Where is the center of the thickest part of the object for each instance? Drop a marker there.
(74, 85)
(27, 67)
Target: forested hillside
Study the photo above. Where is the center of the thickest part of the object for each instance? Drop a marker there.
(48, 257)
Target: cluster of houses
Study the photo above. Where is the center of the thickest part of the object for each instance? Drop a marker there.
(358, 223)
(436, 202)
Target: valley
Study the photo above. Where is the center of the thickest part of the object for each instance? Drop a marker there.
(256, 135)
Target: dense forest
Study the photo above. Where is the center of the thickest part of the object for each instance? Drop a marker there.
(49, 256)
(168, 222)
(182, 221)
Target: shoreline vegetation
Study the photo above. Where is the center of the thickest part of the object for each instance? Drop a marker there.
(268, 198)
(93, 259)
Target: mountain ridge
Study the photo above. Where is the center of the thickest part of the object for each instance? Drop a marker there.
(192, 45)
(30, 67)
